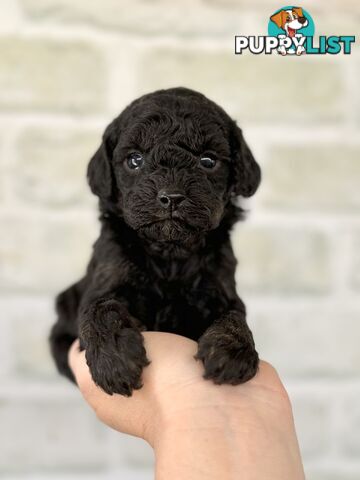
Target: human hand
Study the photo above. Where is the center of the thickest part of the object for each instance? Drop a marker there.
(200, 430)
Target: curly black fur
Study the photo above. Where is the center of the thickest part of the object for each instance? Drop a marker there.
(163, 266)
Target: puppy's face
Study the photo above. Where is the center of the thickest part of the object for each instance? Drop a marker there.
(290, 20)
(171, 159)
(172, 170)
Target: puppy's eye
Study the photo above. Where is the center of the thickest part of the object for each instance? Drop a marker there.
(135, 161)
(207, 162)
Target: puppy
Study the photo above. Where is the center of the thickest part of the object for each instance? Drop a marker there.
(291, 21)
(166, 174)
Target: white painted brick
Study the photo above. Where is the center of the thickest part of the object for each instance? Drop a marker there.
(29, 321)
(318, 177)
(332, 9)
(328, 474)
(313, 424)
(281, 260)
(137, 17)
(218, 17)
(355, 252)
(136, 453)
(51, 166)
(44, 253)
(6, 354)
(43, 435)
(10, 11)
(45, 74)
(348, 438)
(344, 22)
(2, 170)
(248, 95)
(310, 341)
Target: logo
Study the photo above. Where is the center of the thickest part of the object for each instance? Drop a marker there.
(291, 32)
(293, 24)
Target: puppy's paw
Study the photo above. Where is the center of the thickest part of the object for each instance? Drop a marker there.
(227, 359)
(116, 364)
(114, 346)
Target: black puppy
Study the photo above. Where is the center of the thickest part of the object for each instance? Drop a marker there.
(166, 173)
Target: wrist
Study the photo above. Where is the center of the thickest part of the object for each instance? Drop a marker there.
(194, 445)
(195, 437)
(212, 432)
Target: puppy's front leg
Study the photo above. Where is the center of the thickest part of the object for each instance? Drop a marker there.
(114, 345)
(227, 350)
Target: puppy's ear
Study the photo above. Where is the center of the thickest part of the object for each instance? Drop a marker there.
(99, 172)
(298, 11)
(247, 173)
(277, 18)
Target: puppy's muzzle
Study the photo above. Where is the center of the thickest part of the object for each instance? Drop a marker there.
(170, 199)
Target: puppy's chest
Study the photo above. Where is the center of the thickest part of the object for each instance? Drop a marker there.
(185, 308)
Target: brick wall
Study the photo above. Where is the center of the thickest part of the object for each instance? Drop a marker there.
(66, 68)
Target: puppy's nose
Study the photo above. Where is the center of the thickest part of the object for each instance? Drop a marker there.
(302, 20)
(167, 199)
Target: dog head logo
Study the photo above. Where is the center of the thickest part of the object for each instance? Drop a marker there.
(290, 20)
(292, 25)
